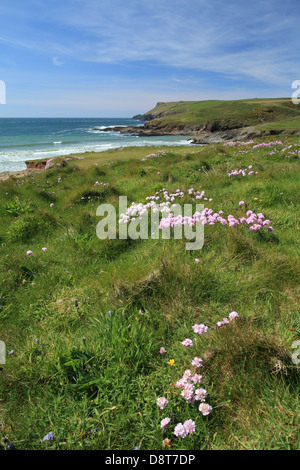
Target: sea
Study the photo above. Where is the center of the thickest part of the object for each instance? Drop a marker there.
(24, 139)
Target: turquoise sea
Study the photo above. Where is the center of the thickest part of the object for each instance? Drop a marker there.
(24, 139)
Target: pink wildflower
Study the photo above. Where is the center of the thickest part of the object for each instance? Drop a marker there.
(181, 383)
(187, 342)
(196, 378)
(189, 426)
(187, 393)
(180, 430)
(200, 329)
(225, 321)
(233, 315)
(162, 402)
(200, 394)
(164, 423)
(187, 374)
(197, 362)
(205, 409)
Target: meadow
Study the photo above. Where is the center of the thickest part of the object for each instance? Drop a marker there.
(124, 344)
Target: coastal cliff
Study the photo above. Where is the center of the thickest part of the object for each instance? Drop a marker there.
(208, 122)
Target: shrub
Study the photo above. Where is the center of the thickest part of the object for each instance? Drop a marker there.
(29, 225)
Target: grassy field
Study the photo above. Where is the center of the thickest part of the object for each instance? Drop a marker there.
(84, 319)
(218, 114)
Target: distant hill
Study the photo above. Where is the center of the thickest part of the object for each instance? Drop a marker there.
(263, 116)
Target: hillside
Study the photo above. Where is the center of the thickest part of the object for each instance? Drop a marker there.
(112, 343)
(212, 121)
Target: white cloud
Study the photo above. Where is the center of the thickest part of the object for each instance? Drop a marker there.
(56, 62)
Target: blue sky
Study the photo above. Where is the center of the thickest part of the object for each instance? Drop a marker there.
(117, 58)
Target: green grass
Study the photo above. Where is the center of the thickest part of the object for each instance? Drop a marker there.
(215, 115)
(86, 318)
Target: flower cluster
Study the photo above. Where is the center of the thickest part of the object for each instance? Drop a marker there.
(243, 171)
(200, 329)
(159, 154)
(189, 386)
(209, 217)
(238, 143)
(188, 383)
(226, 321)
(162, 203)
(182, 430)
(256, 221)
(268, 144)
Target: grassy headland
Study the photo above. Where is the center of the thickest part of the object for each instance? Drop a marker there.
(205, 119)
(84, 319)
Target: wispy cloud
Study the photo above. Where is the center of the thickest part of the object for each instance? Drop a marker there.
(162, 48)
(56, 62)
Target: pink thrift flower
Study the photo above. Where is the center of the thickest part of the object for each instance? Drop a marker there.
(196, 378)
(187, 342)
(205, 409)
(197, 362)
(189, 426)
(200, 329)
(200, 394)
(162, 402)
(162, 351)
(180, 430)
(164, 423)
(51, 205)
(187, 374)
(187, 393)
(225, 321)
(241, 203)
(29, 252)
(44, 249)
(181, 383)
(233, 315)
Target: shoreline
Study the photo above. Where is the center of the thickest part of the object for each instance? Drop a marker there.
(6, 175)
(38, 165)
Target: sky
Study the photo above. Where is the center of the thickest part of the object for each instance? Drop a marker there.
(117, 58)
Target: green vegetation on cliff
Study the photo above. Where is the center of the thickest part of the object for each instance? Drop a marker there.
(217, 115)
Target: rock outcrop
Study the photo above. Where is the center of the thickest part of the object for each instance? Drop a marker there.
(199, 134)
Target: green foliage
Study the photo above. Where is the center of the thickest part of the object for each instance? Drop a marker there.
(86, 318)
(15, 207)
(29, 226)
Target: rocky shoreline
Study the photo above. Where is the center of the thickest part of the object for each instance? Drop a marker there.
(35, 166)
(199, 135)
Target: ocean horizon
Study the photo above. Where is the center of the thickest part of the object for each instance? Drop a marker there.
(23, 139)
